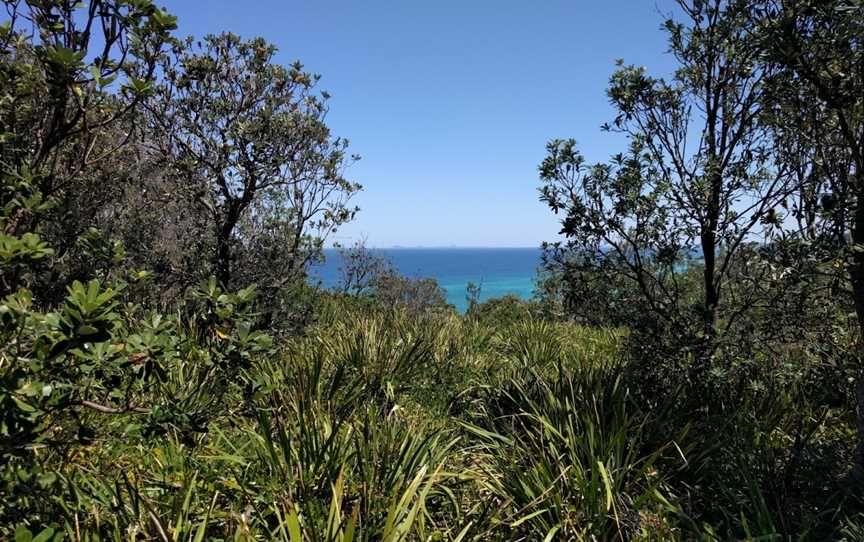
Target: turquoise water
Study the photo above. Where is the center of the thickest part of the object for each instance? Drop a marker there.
(499, 271)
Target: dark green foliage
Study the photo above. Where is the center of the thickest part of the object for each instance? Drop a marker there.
(818, 118)
(502, 312)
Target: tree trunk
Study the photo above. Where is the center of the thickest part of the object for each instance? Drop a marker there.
(712, 296)
(709, 274)
(223, 257)
(224, 232)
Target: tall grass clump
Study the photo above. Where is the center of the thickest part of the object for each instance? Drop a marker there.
(568, 455)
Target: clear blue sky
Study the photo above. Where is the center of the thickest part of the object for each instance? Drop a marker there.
(450, 103)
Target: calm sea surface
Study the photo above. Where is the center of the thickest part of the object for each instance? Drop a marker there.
(499, 271)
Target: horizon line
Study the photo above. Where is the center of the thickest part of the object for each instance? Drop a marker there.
(431, 247)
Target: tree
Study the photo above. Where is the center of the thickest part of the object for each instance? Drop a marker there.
(68, 71)
(247, 139)
(415, 296)
(819, 123)
(696, 184)
(360, 268)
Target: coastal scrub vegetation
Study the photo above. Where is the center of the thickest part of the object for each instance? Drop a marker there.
(690, 367)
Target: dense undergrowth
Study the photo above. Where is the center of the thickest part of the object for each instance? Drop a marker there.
(380, 426)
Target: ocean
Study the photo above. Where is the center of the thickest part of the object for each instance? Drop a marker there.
(499, 271)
